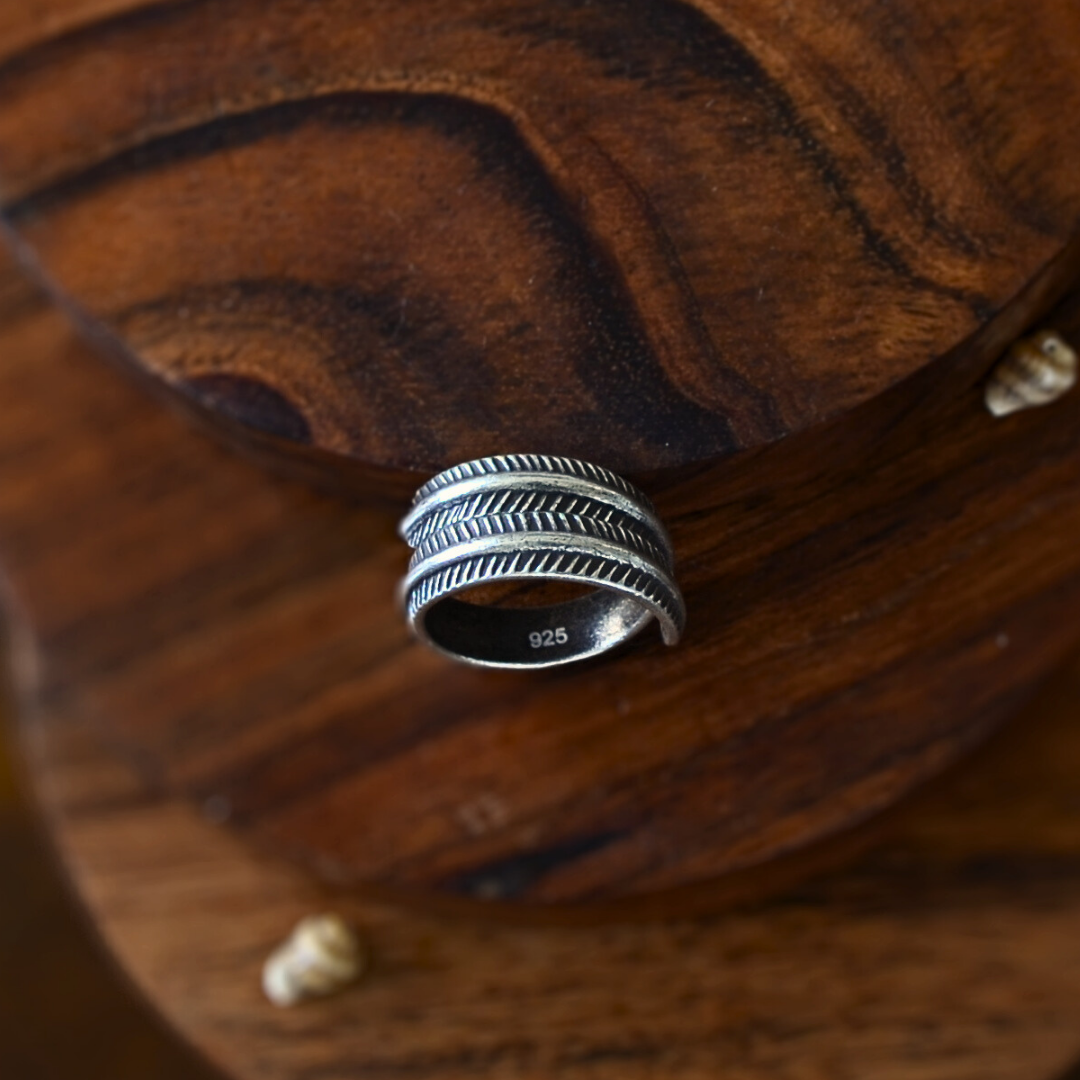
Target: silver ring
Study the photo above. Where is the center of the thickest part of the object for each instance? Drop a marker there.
(531, 517)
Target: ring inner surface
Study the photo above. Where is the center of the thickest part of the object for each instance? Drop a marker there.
(535, 636)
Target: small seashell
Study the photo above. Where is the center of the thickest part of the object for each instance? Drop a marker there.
(1035, 371)
(322, 955)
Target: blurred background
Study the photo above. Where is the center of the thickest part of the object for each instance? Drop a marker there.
(65, 1010)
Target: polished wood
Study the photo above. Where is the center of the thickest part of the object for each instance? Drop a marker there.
(951, 952)
(865, 614)
(655, 234)
(760, 258)
(648, 233)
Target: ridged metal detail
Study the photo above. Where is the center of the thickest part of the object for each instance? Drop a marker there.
(620, 532)
(484, 569)
(513, 501)
(537, 517)
(530, 463)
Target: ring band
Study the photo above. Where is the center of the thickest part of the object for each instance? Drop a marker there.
(532, 517)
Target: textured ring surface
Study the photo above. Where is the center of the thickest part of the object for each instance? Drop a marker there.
(532, 517)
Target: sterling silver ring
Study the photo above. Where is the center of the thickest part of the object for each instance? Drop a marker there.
(536, 518)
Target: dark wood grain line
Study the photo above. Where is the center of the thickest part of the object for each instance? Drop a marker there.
(251, 403)
(878, 137)
(660, 44)
(619, 366)
(58, 48)
(694, 366)
(762, 414)
(510, 878)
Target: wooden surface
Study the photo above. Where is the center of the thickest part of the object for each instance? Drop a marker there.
(65, 1010)
(307, 215)
(871, 608)
(951, 953)
(644, 232)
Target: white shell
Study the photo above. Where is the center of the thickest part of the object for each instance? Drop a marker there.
(322, 955)
(1035, 371)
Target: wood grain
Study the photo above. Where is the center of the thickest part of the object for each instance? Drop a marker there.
(869, 608)
(649, 233)
(952, 952)
(658, 235)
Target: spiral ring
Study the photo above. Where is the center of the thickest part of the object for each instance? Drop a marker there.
(534, 517)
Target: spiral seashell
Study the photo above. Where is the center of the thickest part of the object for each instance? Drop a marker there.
(322, 956)
(1035, 371)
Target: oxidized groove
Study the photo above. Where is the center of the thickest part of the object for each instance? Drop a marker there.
(509, 464)
(514, 502)
(536, 521)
